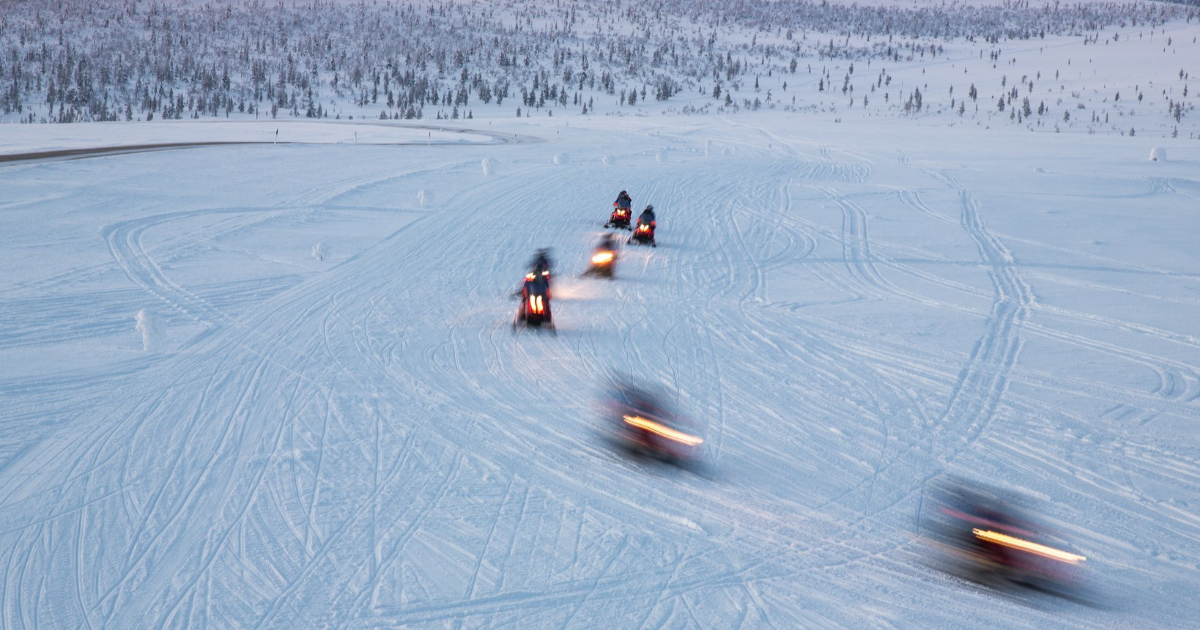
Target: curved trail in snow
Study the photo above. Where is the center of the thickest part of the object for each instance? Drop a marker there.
(128, 149)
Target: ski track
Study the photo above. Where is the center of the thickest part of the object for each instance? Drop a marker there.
(312, 458)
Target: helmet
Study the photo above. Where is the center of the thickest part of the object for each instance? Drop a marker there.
(624, 193)
(650, 208)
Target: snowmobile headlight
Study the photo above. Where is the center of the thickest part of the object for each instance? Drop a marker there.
(1026, 545)
(602, 258)
(662, 430)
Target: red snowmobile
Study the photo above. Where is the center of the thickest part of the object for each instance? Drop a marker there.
(622, 212)
(619, 218)
(643, 234)
(535, 302)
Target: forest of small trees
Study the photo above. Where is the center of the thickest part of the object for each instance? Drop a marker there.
(126, 60)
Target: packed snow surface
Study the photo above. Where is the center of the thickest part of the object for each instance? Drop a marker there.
(206, 426)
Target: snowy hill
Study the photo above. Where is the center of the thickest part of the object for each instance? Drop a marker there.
(271, 382)
(1098, 67)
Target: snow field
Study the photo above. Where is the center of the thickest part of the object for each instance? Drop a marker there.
(850, 312)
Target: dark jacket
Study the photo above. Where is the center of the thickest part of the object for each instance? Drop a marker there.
(537, 286)
(541, 263)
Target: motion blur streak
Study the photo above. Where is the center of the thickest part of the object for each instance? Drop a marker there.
(1025, 545)
(667, 432)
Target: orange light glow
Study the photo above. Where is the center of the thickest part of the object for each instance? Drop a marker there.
(529, 276)
(602, 258)
(665, 431)
(535, 304)
(1025, 545)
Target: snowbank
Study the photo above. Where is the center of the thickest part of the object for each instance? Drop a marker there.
(147, 324)
(38, 138)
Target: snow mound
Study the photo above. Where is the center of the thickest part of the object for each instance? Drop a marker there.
(320, 251)
(1158, 154)
(661, 156)
(147, 324)
(424, 198)
(489, 166)
(608, 159)
(561, 158)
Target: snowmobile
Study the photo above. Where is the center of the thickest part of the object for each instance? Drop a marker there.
(982, 538)
(643, 234)
(534, 310)
(622, 212)
(604, 260)
(619, 218)
(643, 427)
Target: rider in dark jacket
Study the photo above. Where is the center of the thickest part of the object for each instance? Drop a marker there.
(624, 201)
(541, 264)
(648, 218)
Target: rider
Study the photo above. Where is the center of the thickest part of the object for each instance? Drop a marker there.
(623, 202)
(541, 264)
(607, 243)
(648, 218)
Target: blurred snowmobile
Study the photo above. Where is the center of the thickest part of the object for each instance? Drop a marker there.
(534, 310)
(978, 534)
(604, 258)
(644, 232)
(643, 426)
